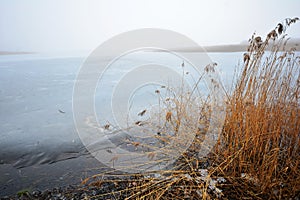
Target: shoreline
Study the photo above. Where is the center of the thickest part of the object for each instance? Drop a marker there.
(229, 48)
(69, 172)
(223, 48)
(5, 53)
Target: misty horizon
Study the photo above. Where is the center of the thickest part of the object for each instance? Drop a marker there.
(67, 26)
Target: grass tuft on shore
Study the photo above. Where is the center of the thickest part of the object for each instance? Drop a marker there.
(258, 153)
(261, 135)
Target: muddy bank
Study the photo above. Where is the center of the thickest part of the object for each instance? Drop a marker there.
(47, 176)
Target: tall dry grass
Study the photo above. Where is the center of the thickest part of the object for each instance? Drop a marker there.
(258, 154)
(261, 136)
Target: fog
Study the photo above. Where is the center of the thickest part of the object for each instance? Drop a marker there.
(78, 25)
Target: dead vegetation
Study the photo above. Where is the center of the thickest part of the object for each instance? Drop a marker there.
(258, 153)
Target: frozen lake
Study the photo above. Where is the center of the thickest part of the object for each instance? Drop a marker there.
(37, 125)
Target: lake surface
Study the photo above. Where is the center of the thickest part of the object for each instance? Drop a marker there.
(37, 132)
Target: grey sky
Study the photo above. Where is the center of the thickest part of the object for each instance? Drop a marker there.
(72, 25)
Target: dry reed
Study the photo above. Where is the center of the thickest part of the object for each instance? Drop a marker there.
(258, 155)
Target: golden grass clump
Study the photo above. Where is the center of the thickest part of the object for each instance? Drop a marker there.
(258, 153)
(261, 135)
